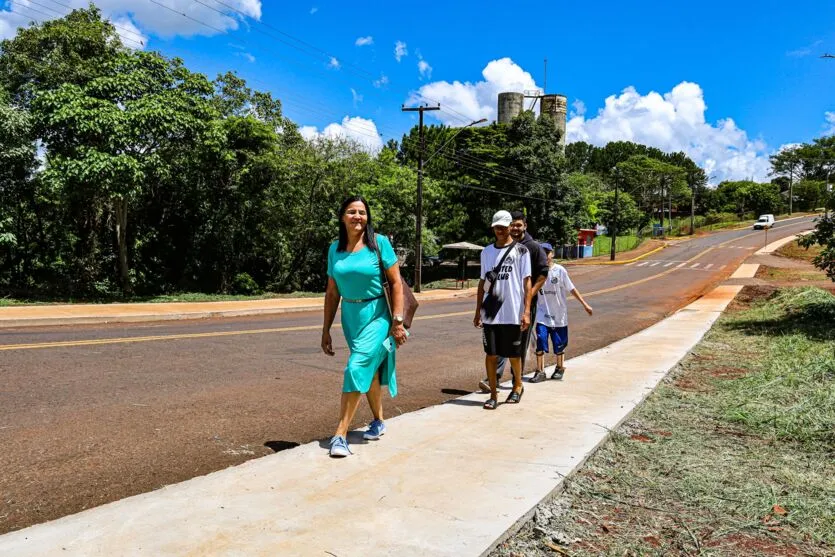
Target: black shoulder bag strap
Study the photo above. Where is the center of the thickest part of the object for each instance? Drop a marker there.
(499, 266)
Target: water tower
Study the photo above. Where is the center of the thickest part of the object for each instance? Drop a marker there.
(511, 105)
(555, 107)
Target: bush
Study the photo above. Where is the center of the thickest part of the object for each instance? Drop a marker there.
(716, 218)
(245, 284)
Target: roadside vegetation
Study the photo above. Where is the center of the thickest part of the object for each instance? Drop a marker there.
(125, 175)
(733, 454)
(162, 299)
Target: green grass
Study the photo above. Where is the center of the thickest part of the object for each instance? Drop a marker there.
(167, 298)
(733, 454)
(603, 244)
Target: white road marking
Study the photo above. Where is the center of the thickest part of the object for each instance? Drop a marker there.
(680, 265)
(708, 266)
(642, 264)
(722, 267)
(694, 265)
(656, 263)
(668, 264)
(628, 264)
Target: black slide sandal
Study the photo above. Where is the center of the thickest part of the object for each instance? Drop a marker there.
(491, 404)
(514, 397)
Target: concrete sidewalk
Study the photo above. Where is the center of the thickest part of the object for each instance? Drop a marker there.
(86, 314)
(447, 480)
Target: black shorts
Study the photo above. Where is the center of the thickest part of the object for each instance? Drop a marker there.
(503, 340)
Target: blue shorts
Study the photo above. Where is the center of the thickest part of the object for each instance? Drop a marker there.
(558, 335)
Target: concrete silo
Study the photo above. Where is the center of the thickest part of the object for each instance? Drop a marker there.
(555, 107)
(510, 106)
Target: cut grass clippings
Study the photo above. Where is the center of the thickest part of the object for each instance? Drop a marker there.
(733, 454)
(793, 251)
(790, 275)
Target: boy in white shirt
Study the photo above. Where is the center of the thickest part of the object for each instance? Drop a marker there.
(552, 316)
(503, 305)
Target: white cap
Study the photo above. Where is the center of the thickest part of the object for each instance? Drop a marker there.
(502, 218)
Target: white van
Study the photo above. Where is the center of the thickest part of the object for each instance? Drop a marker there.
(765, 221)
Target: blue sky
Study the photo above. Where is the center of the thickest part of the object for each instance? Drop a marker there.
(728, 82)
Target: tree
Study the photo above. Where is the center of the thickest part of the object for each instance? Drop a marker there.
(71, 50)
(824, 236)
(17, 162)
(749, 197)
(114, 136)
(653, 183)
(629, 216)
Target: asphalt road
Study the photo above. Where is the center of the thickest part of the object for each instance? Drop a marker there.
(113, 411)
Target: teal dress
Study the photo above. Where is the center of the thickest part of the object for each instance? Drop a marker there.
(365, 324)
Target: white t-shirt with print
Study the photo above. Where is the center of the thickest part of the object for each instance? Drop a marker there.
(552, 302)
(510, 284)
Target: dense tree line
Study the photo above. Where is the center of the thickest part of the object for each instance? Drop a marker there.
(123, 171)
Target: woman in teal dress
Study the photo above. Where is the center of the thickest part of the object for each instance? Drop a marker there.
(354, 277)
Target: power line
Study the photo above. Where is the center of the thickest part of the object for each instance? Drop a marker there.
(300, 41)
(140, 37)
(49, 17)
(507, 173)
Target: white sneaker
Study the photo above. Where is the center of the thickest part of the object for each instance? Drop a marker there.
(339, 447)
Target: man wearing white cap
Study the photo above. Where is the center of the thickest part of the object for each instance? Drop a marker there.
(503, 305)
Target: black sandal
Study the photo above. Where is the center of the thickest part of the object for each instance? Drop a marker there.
(491, 404)
(514, 397)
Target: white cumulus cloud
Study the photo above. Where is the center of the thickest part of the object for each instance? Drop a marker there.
(425, 69)
(356, 97)
(364, 41)
(830, 123)
(474, 100)
(400, 50)
(334, 63)
(382, 82)
(355, 128)
(675, 121)
(129, 33)
(144, 18)
(672, 121)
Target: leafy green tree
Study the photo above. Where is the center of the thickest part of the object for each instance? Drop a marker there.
(17, 162)
(114, 136)
(743, 197)
(71, 50)
(824, 236)
(809, 194)
(629, 216)
(653, 183)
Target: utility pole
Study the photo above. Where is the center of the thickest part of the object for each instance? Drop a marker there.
(661, 185)
(419, 208)
(692, 204)
(670, 205)
(791, 186)
(614, 233)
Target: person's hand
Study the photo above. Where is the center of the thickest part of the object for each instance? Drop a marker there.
(398, 331)
(588, 309)
(327, 345)
(526, 321)
(477, 320)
